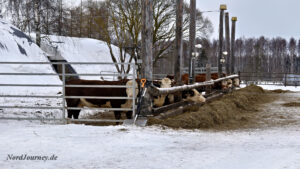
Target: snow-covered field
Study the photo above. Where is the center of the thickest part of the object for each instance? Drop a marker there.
(79, 146)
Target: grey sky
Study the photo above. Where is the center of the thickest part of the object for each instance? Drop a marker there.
(270, 18)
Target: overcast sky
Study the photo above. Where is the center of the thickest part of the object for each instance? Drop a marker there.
(270, 18)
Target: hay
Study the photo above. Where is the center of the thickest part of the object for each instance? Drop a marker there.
(231, 111)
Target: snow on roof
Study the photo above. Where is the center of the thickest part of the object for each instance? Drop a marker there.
(87, 50)
(15, 46)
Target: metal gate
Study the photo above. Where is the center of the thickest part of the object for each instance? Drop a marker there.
(28, 101)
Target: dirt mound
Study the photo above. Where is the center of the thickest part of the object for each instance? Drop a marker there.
(230, 111)
(292, 104)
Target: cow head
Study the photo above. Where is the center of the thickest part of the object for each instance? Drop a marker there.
(165, 83)
(224, 84)
(236, 82)
(229, 83)
(160, 100)
(129, 90)
(194, 95)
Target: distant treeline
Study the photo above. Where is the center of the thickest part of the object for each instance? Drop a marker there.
(262, 55)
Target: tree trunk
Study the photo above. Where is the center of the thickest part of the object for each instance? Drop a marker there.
(147, 54)
(37, 22)
(178, 47)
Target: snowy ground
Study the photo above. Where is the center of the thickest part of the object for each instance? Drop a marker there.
(79, 146)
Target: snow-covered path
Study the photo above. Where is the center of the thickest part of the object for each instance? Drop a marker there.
(79, 146)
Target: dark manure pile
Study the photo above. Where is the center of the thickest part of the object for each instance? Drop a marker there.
(231, 111)
(291, 104)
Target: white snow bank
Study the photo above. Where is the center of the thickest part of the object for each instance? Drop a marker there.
(79, 146)
(15, 46)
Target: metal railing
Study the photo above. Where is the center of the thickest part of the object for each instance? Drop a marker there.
(261, 78)
(201, 70)
(61, 105)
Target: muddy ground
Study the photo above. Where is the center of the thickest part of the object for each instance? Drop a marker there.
(250, 107)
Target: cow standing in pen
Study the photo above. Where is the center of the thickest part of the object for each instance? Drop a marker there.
(98, 91)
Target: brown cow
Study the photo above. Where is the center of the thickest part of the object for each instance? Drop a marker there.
(198, 77)
(96, 91)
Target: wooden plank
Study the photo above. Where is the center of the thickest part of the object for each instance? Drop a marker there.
(182, 109)
(158, 91)
(157, 111)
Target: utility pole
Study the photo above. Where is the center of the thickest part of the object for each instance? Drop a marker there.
(192, 41)
(222, 9)
(178, 47)
(233, 19)
(227, 37)
(147, 54)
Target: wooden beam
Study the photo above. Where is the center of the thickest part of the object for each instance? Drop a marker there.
(227, 37)
(178, 46)
(158, 91)
(234, 19)
(192, 41)
(222, 8)
(147, 55)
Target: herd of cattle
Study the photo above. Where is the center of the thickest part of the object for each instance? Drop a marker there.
(194, 95)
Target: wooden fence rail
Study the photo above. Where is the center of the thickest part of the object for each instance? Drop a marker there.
(155, 91)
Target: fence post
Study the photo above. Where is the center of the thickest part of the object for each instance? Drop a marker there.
(178, 42)
(222, 9)
(64, 92)
(134, 98)
(227, 37)
(233, 19)
(192, 41)
(208, 77)
(147, 53)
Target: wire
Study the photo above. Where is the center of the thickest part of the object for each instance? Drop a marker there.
(209, 11)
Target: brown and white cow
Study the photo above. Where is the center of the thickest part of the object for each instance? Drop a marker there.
(236, 82)
(160, 100)
(98, 91)
(194, 96)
